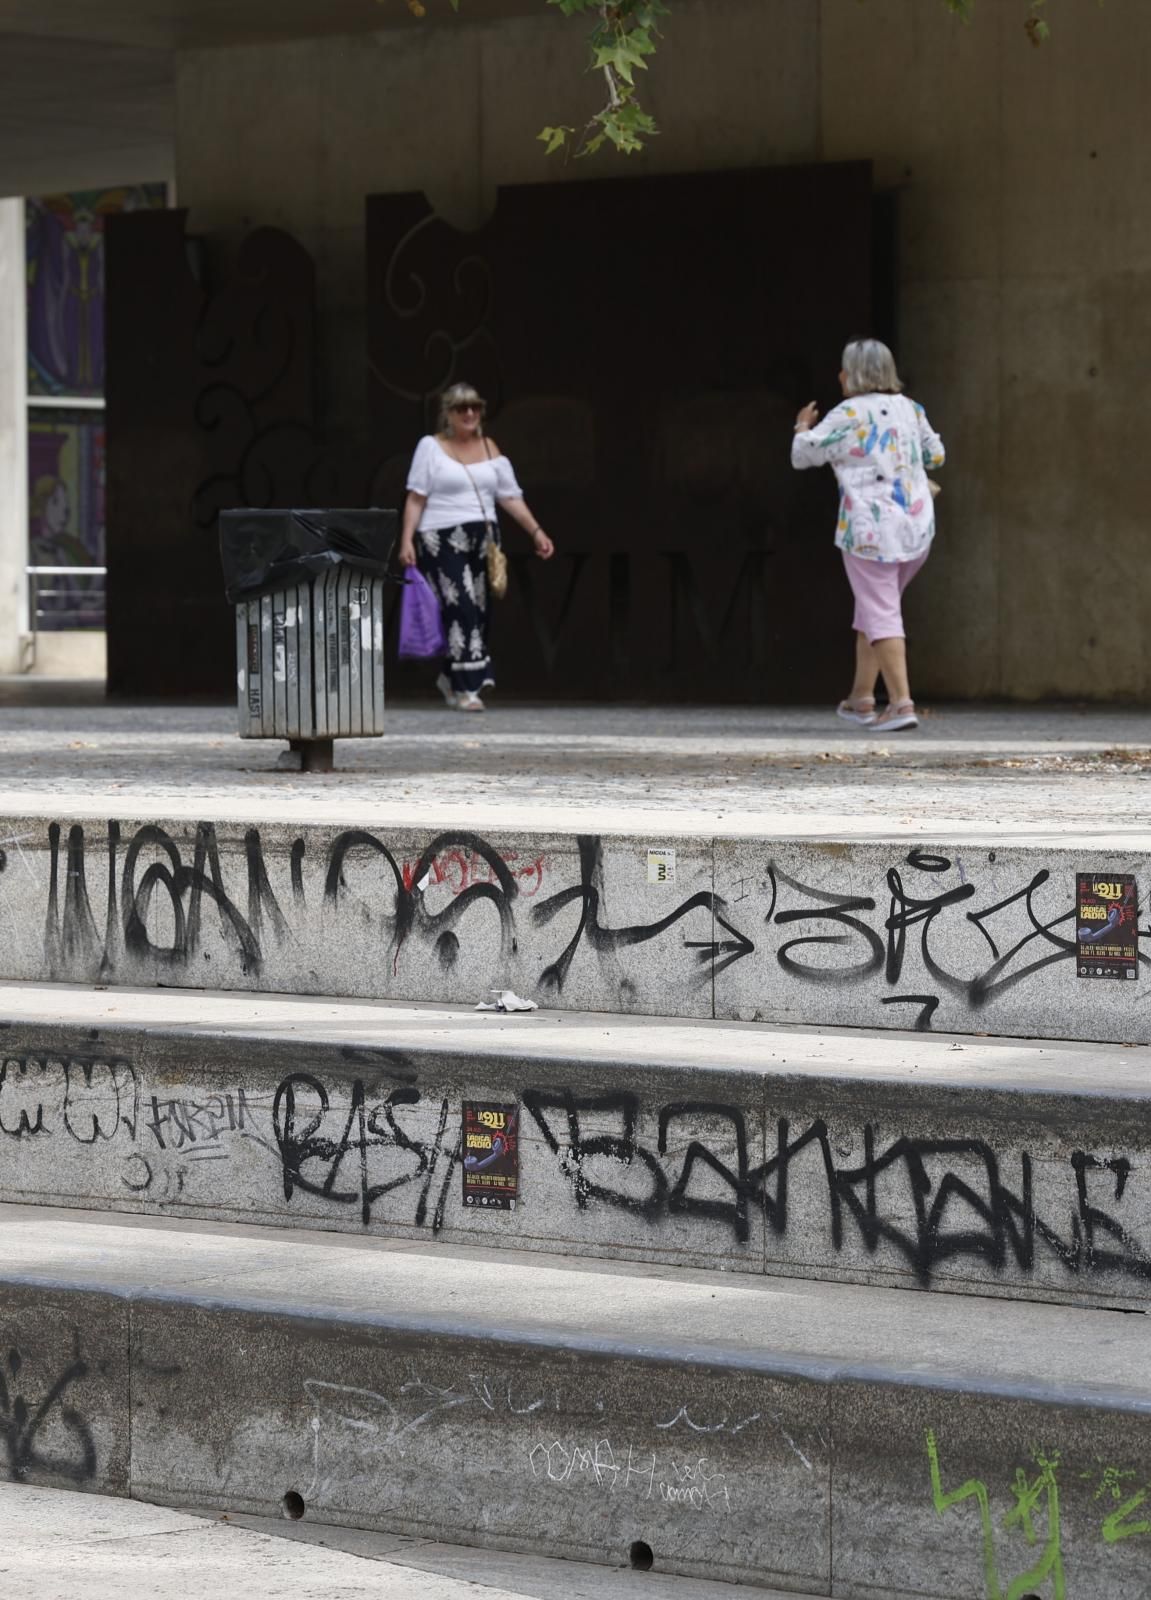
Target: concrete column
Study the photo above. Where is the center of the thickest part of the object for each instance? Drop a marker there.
(13, 440)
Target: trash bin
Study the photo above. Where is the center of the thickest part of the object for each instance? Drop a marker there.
(308, 587)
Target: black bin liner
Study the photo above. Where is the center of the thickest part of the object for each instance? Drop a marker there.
(264, 551)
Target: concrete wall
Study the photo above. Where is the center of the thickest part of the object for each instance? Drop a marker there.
(574, 1413)
(1025, 249)
(1026, 287)
(297, 135)
(82, 653)
(961, 940)
(749, 1153)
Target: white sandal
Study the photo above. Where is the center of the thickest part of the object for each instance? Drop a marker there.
(853, 711)
(469, 700)
(896, 717)
(444, 685)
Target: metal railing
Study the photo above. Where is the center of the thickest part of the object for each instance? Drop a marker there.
(65, 595)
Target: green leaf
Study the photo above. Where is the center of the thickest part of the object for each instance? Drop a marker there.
(594, 144)
(623, 58)
(555, 138)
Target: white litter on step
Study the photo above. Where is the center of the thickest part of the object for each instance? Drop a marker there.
(506, 1000)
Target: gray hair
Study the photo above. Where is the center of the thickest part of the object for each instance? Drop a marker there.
(459, 394)
(869, 368)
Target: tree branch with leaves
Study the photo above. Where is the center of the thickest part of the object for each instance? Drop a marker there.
(624, 37)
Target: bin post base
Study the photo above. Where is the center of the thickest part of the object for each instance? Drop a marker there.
(316, 755)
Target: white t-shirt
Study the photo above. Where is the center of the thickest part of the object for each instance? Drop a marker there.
(448, 485)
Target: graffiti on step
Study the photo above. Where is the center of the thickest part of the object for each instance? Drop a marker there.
(314, 1146)
(358, 1433)
(931, 941)
(45, 1434)
(89, 1099)
(1017, 932)
(381, 1150)
(1032, 1524)
(931, 1201)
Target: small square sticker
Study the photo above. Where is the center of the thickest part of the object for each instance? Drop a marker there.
(661, 866)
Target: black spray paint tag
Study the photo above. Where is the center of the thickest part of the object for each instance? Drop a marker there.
(1107, 925)
(491, 1156)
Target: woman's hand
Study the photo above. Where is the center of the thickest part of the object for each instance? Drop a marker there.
(544, 548)
(413, 511)
(807, 418)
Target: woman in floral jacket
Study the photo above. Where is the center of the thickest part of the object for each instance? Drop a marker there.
(881, 447)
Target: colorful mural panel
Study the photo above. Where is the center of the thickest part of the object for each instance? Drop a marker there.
(65, 256)
(65, 268)
(66, 514)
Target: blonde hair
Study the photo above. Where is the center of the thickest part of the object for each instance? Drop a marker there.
(459, 394)
(869, 368)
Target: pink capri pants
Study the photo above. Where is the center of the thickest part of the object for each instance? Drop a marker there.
(878, 589)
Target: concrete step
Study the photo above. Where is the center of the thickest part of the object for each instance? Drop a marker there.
(57, 1545)
(819, 1438)
(951, 934)
(984, 1166)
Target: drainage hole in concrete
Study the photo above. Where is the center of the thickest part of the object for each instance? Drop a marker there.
(641, 1556)
(294, 1506)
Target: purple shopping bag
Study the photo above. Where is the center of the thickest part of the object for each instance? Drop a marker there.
(421, 620)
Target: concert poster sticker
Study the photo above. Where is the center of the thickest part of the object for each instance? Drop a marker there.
(1106, 925)
(491, 1157)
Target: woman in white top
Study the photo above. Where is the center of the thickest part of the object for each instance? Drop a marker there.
(457, 477)
(881, 447)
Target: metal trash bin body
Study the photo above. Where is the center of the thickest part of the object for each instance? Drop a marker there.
(311, 660)
(308, 587)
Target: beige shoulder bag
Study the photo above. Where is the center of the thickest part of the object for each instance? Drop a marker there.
(497, 561)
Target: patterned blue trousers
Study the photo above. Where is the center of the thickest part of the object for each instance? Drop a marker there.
(454, 563)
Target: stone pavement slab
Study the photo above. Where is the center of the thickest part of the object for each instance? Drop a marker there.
(818, 1331)
(123, 1019)
(1002, 773)
(57, 1545)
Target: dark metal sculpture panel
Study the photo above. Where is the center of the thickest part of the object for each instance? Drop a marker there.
(645, 344)
(211, 404)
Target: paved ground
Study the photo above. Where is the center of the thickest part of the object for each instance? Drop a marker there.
(60, 1546)
(955, 1061)
(1002, 772)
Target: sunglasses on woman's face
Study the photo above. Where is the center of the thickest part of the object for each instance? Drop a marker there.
(467, 405)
